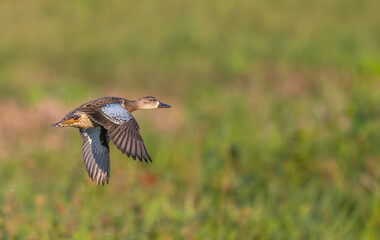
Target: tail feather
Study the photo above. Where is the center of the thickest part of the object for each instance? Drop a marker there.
(58, 124)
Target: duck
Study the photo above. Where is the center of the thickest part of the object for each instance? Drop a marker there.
(105, 119)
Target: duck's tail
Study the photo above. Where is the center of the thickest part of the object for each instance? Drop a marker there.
(58, 124)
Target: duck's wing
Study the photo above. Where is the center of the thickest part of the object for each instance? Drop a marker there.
(96, 153)
(122, 129)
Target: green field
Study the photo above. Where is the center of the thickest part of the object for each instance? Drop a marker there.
(274, 130)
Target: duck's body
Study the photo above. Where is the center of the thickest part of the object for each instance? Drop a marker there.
(109, 118)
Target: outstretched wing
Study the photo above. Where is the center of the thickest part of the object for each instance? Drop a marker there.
(122, 129)
(96, 153)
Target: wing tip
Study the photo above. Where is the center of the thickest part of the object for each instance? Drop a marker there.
(102, 180)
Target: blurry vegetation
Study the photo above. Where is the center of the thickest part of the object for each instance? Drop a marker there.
(274, 131)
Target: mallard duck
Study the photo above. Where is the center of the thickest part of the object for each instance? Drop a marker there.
(109, 118)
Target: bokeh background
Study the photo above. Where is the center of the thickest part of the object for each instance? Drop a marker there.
(274, 130)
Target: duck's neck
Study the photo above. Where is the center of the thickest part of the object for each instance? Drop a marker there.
(131, 105)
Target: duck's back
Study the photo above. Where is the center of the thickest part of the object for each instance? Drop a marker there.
(79, 117)
(100, 102)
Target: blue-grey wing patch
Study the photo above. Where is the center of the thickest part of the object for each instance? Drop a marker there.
(96, 153)
(116, 113)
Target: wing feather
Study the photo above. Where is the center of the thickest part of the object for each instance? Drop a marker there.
(96, 155)
(122, 129)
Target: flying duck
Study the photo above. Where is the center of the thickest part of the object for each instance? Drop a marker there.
(109, 118)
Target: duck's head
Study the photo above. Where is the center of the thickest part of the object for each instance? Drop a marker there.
(150, 103)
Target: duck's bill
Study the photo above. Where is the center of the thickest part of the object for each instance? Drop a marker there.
(163, 105)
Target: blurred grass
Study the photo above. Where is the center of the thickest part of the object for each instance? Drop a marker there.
(273, 134)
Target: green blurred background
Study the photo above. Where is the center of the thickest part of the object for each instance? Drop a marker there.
(274, 130)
